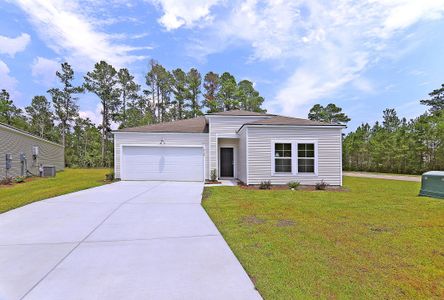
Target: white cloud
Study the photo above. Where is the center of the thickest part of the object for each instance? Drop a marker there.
(11, 46)
(70, 33)
(44, 70)
(324, 44)
(94, 116)
(178, 13)
(8, 82)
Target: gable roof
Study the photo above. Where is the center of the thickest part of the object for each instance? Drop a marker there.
(200, 124)
(195, 125)
(238, 112)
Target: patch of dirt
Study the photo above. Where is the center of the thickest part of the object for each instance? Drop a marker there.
(27, 179)
(285, 223)
(212, 182)
(206, 194)
(254, 280)
(252, 220)
(380, 229)
(436, 252)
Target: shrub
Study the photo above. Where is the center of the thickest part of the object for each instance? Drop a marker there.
(6, 180)
(294, 185)
(19, 179)
(213, 175)
(109, 176)
(265, 185)
(321, 185)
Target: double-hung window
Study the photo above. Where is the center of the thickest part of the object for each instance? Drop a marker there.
(306, 158)
(294, 157)
(282, 158)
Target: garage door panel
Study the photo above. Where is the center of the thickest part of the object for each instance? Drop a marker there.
(162, 163)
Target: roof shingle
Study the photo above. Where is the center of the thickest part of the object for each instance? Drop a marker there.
(200, 124)
(238, 112)
(195, 125)
(281, 120)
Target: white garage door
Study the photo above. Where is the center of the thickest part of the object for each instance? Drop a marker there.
(162, 163)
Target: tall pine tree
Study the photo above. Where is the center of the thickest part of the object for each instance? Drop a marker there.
(102, 81)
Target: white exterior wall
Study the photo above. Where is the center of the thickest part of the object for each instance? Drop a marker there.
(171, 139)
(329, 158)
(242, 157)
(225, 127)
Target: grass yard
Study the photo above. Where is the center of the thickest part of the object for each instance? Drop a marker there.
(68, 181)
(376, 241)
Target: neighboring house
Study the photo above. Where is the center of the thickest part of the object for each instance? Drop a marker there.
(248, 146)
(27, 152)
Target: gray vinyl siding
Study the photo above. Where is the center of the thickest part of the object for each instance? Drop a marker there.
(174, 139)
(242, 157)
(260, 151)
(224, 126)
(14, 142)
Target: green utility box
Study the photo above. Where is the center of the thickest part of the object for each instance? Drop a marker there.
(432, 184)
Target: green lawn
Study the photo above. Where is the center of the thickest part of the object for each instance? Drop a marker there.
(70, 180)
(376, 241)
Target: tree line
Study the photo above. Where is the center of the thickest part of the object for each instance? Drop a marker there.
(165, 96)
(398, 145)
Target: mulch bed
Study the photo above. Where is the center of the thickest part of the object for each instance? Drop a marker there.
(300, 188)
(212, 182)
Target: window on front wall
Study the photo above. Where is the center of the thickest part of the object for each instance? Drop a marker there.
(306, 158)
(282, 158)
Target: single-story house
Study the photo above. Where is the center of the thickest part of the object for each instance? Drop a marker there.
(248, 146)
(23, 152)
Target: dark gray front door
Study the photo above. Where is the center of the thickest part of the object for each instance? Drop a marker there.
(226, 162)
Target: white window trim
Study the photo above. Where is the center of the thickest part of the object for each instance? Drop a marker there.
(294, 157)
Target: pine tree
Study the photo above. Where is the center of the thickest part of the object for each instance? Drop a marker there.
(248, 97)
(128, 89)
(40, 116)
(212, 85)
(194, 81)
(179, 88)
(102, 81)
(227, 92)
(9, 113)
(329, 114)
(64, 99)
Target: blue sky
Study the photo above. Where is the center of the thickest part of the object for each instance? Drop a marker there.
(364, 56)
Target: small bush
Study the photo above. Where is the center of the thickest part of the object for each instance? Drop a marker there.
(19, 179)
(294, 185)
(109, 176)
(265, 185)
(320, 186)
(6, 180)
(213, 175)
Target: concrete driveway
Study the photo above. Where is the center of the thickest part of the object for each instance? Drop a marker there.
(127, 240)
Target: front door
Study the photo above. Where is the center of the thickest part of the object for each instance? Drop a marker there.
(226, 162)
